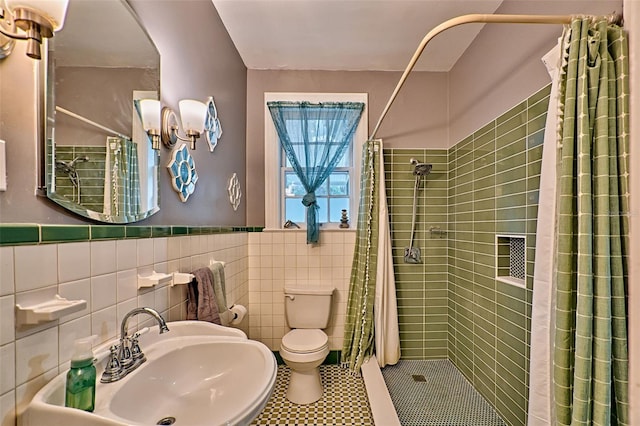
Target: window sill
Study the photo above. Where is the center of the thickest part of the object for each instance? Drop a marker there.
(305, 230)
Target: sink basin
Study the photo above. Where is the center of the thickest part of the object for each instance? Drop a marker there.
(219, 379)
(203, 375)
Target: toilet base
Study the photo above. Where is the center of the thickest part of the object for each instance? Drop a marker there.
(305, 387)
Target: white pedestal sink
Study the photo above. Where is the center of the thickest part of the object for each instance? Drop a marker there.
(197, 374)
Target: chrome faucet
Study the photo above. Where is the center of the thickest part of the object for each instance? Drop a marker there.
(128, 356)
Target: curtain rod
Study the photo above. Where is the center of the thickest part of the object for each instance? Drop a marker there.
(93, 123)
(471, 19)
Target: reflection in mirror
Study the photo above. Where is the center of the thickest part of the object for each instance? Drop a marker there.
(100, 163)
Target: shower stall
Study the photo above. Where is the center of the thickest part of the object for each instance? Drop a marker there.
(460, 311)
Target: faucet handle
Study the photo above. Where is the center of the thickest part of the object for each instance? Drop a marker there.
(113, 370)
(136, 352)
(124, 355)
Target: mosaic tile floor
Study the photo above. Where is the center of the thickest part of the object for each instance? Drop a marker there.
(438, 395)
(344, 402)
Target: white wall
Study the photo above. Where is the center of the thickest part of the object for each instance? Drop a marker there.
(283, 258)
(103, 273)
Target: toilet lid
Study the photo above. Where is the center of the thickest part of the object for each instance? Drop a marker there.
(304, 340)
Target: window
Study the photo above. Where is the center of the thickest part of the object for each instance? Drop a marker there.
(283, 189)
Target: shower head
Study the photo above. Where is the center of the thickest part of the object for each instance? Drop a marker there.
(420, 169)
(65, 166)
(70, 166)
(82, 159)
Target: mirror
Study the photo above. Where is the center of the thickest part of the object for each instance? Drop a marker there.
(98, 158)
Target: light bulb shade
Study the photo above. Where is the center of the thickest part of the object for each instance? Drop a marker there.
(53, 11)
(150, 111)
(193, 114)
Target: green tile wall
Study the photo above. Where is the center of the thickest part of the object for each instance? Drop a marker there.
(493, 189)
(421, 288)
(91, 175)
(451, 305)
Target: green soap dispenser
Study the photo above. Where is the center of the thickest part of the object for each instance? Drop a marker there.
(81, 378)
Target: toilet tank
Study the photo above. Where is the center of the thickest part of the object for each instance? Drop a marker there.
(307, 307)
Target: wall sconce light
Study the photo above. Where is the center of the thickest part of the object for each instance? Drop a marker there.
(37, 18)
(192, 113)
(150, 112)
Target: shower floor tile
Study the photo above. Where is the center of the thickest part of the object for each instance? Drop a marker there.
(344, 402)
(438, 395)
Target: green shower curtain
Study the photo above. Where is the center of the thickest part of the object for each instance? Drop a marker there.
(590, 359)
(358, 331)
(124, 176)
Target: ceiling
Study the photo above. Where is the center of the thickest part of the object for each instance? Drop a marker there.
(375, 35)
(89, 37)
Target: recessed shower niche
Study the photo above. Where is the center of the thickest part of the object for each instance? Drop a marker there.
(511, 259)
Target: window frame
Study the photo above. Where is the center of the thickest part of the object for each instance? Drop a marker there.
(274, 173)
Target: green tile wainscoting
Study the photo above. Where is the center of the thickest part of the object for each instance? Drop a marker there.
(12, 234)
(451, 306)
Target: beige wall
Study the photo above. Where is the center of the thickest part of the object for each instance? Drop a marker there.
(632, 23)
(97, 92)
(502, 66)
(198, 60)
(417, 119)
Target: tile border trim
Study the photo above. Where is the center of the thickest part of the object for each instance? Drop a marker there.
(12, 234)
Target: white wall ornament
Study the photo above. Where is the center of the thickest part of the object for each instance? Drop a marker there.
(235, 193)
(212, 126)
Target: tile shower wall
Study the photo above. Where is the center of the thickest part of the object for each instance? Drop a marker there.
(278, 259)
(494, 177)
(104, 273)
(421, 288)
(91, 173)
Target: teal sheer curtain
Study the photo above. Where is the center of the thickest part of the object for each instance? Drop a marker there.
(314, 137)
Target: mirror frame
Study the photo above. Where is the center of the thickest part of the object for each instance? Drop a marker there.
(44, 97)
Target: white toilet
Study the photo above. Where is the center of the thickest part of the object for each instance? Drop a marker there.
(305, 347)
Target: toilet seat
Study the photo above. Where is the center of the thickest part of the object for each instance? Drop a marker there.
(305, 341)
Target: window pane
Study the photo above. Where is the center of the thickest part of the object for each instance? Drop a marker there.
(298, 148)
(311, 140)
(299, 151)
(345, 160)
(339, 183)
(323, 210)
(294, 210)
(293, 127)
(337, 204)
(322, 190)
(292, 186)
(317, 130)
(317, 150)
